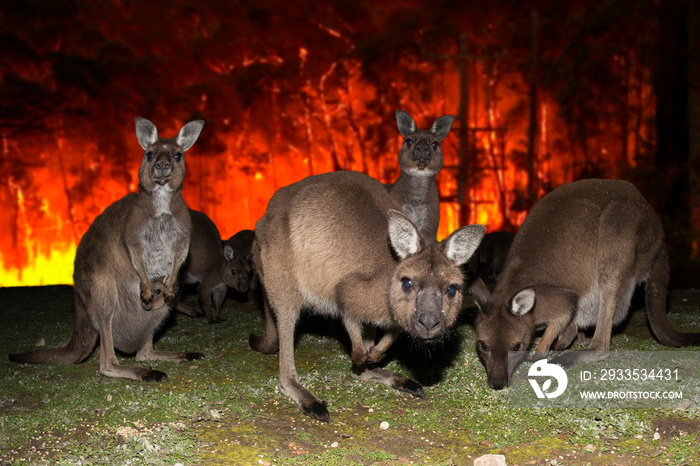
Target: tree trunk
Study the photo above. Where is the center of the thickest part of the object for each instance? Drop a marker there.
(672, 192)
(694, 122)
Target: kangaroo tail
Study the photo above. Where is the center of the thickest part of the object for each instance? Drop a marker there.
(656, 293)
(78, 348)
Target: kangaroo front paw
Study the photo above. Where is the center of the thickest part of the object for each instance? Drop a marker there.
(147, 296)
(359, 358)
(374, 355)
(170, 292)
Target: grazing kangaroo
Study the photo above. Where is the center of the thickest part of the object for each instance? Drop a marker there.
(137, 239)
(213, 266)
(575, 264)
(420, 159)
(337, 244)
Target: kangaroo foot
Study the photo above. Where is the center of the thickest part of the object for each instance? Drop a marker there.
(398, 381)
(316, 409)
(312, 406)
(155, 376)
(186, 357)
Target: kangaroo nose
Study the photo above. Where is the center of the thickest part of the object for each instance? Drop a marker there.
(243, 285)
(421, 153)
(163, 165)
(498, 384)
(429, 321)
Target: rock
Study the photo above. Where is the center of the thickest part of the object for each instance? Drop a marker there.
(490, 460)
(683, 406)
(657, 436)
(384, 425)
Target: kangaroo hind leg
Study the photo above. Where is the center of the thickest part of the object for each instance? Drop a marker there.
(110, 367)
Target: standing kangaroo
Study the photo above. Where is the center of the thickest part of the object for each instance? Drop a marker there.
(420, 159)
(214, 266)
(119, 260)
(337, 243)
(575, 264)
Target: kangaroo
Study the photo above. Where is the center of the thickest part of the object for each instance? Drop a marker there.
(137, 239)
(420, 159)
(158, 299)
(213, 266)
(490, 257)
(239, 246)
(575, 264)
(338, 244)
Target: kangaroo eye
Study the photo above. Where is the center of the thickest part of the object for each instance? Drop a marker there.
(406, 283)
(149, 156)
(178, 156)
(483, 346)
(157, 291)
(436, 145)
(516, 347)
(234, 272)
(452, 290)
(409, 143)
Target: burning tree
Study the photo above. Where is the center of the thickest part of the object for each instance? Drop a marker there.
(288, 90)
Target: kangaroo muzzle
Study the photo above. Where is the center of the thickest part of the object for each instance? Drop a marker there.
(162, 169)
(428, 321)
(421, 155)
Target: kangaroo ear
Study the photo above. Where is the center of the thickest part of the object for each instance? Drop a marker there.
(403, 234)
(229, 253)
(462, 243)
(442, 126)
(523, 302)
(189, 133)
(406, 124)
(146, 132)
(480, 293)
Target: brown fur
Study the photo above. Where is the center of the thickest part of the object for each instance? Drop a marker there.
(420, 159)
(336, 243)
(158, 285)
(240, 245)
(574, 264)
(117, 264)
(490, 257)
(213, 266)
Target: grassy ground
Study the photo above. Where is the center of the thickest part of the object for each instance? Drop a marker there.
(227, 409)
